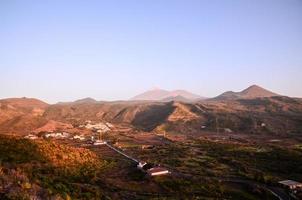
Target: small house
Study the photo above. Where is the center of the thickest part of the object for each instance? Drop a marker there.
(31, 137)
(157, 171)
(99, 142)
(146, 146)
(290, 184)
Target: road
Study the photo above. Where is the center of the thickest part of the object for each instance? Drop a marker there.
(122, 153)
(276, 191)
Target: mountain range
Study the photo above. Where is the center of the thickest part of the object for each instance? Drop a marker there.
(251, 92)
(280, 114)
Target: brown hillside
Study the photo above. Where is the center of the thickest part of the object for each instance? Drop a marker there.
(21, 114)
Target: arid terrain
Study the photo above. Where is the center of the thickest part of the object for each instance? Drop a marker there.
(234, 146)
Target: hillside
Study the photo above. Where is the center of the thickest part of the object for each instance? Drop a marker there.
(21, 114)
(25, 103)
(45, 170)
(271, 115)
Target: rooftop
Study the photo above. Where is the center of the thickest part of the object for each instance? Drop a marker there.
(290, 183)
(157, 169)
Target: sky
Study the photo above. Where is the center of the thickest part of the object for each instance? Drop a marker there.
(63, 50)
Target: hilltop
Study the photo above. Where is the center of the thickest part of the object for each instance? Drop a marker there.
(251, 92)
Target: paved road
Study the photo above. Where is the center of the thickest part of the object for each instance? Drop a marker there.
(276, 191)
(122, 153)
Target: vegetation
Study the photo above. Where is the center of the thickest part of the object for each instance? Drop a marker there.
(45, 169)
(208, 162)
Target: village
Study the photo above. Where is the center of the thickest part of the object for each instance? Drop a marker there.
(96, 138)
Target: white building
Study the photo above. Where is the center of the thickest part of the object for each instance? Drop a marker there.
(99, 142)
(157, 171)
(290, 184)
(99, 127)
(57, 135)
(31, 137)
(79, 137)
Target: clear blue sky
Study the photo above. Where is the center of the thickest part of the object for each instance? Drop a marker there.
(66, 49)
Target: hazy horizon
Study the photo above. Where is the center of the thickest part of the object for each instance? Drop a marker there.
(68, 50)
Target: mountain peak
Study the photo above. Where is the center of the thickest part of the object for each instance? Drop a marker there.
(254, 87)
(86, 100)
(253, 91)
(256, 91)
(160, 94)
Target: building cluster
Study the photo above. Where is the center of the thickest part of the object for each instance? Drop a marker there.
(57, 135)
(79, 137)
(152, 170)
(101, 127)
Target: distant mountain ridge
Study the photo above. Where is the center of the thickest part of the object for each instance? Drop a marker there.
(24, 115)
(164, 95)
(176, 98)
(251, 92)
(86, 100)
(152, 95)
